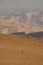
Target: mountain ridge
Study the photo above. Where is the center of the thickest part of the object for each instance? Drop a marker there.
(21, 21)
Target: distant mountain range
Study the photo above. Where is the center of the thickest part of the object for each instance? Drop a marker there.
(12, 20)
(35, 34)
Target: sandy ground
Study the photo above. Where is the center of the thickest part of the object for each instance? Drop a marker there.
(20, 50)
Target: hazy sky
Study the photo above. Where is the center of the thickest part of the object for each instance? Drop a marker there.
(21, 4)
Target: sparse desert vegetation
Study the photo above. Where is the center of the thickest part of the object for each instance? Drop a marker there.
(20, 50)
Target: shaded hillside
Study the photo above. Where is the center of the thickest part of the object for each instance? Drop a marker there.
(19, 33)
(35, 34)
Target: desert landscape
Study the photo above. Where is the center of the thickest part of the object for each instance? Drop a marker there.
(21, 37)
(20, 50)
(21, 32)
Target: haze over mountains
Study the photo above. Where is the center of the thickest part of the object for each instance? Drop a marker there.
(12, 20)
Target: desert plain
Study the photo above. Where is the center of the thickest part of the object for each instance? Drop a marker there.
(20, 50)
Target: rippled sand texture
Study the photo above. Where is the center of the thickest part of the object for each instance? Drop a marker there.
(20, 50)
